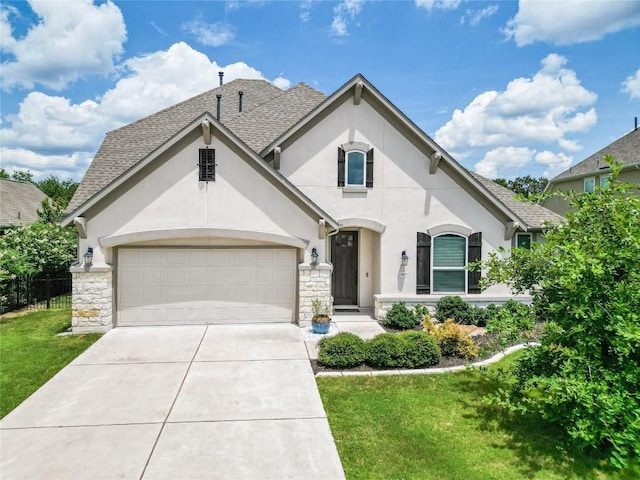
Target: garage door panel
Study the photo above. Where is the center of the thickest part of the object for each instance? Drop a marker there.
(202, 286)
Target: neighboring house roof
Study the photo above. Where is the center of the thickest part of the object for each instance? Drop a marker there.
(19, 202)
(625, 150)
(533, 214)
(270, 117)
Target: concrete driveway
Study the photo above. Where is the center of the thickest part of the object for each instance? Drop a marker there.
(214, 402)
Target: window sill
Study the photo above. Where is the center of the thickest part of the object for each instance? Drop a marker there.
(355, 189)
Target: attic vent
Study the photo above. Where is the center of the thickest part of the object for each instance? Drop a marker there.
(207, 165)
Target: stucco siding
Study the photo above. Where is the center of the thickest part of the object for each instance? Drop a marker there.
(167, 195)
(405, 197)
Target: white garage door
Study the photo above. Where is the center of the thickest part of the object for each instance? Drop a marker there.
(181, 286)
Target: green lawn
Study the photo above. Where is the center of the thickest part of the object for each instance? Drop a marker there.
(31, 352)
(435, 427)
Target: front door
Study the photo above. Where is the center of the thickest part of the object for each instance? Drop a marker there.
(344, 256)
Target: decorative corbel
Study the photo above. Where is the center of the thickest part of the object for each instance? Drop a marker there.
(510, 229)
(206, 131)
(434, 160)
(81, 225)
(276, 157)
(358, 93)
(322, 229)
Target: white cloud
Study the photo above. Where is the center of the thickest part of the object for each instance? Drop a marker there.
(63, 166)
(438, 4)
(282, 83)
(305, 10)
(53, 131)
(476, 16)
(508, 159)
(544, 108)
(555, 162)
(343, 13)
(570, 21)
(631, 85)
(71, 39)
(209, 34)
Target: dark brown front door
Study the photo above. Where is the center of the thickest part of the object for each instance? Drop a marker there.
(344, 256)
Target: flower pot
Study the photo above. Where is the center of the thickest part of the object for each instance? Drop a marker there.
(320, 324)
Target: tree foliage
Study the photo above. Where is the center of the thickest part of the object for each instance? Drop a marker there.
(39, 247)
(60, 191)
(527, 186)
(585, 280)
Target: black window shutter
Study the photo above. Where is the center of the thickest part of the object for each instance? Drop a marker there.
(370, 168)
(341, 156)
(473, 255)
(423, 261)
(207, 165)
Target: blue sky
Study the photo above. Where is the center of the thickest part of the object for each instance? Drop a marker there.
(508, 88)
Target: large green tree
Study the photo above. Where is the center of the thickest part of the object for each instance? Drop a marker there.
(585, 279)
(527, 186)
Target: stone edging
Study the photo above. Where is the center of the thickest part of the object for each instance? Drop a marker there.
(422, 371)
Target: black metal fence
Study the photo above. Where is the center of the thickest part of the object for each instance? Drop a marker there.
(36, 292)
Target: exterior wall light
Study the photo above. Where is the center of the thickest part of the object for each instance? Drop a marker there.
(88, 257)
(404, 258)
(314, 255)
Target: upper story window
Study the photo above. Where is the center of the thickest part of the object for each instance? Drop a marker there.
(207, 165)
(355, 166)
(589, 185)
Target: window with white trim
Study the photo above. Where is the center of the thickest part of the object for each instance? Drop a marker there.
(604, 181)
(523, 240)
(589, 185)
(449, 261)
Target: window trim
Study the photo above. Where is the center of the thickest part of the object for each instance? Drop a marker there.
(523, 234)
(584, 184)
(463, 268)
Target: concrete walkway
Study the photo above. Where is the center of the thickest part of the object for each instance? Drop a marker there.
(221, 402)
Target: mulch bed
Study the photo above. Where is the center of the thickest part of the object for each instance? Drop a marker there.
(486, 342)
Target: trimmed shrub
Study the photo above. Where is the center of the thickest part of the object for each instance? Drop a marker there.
(345, 350)
(420, 349)
(481, 316)
(400, 317)
(452, 340)
(386, 350)
(456, 308)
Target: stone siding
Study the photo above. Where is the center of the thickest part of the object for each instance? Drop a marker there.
(315, 282)
(92, 294)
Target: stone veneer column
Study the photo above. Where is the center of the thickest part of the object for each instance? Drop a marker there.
(314, 282)
(92, 299)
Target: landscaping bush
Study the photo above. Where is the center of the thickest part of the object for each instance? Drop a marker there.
(455, 308)
(512, 322)
(481, 316)
(400, 317)
(452, 340)
(421, 350)
(345, 350)
(386, 350)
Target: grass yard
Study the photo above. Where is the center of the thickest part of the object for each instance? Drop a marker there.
(435, 427)
(31, 352)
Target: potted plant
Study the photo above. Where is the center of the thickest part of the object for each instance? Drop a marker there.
(321, 320)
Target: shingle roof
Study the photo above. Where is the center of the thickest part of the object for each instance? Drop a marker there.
(625, 150)
(267, 111)
(533, 214)
(19, 202)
